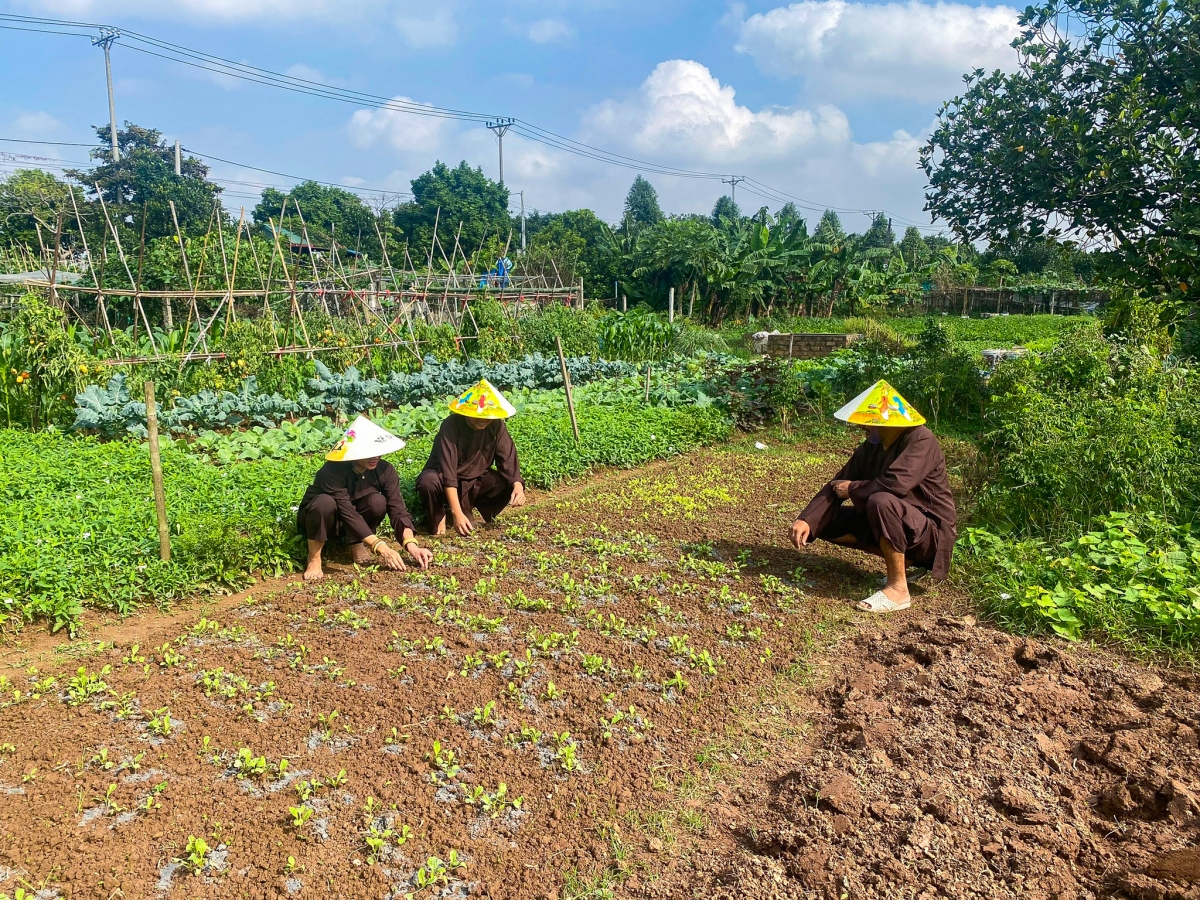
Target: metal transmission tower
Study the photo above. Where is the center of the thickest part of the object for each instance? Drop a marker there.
(107, 36)
(500, 127)
(733, 181)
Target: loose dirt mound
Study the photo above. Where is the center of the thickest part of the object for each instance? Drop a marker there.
(957, 761)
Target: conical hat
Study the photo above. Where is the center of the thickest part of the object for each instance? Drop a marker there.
(363, 440)
(483, 401)
(880, 405)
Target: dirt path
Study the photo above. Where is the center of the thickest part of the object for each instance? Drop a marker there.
(682, 706)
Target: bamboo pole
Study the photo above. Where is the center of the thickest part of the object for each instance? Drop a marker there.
(647, 382)
(156, 475)
(562, 361)
(92, 268)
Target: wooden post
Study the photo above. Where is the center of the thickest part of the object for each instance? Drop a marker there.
(160, 497)
(692, 302)
(671, 306)
(624, 303)
(562, 361)
(647, 382)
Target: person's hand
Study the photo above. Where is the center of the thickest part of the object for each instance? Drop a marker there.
(463, 524)
(801, 533)
(391, 558)
(422, 556)
(518, 495)
(841, 488)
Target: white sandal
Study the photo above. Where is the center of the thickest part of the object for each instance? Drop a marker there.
(878, 602)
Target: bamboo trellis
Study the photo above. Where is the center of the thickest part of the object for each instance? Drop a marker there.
(392, 300)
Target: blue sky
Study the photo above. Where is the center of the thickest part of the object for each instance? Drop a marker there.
(827, 100)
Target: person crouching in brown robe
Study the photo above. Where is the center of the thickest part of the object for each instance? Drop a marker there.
(349, 497)
(458, 477)
(900, 504)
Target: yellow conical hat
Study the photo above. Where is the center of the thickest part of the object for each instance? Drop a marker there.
(363, 440)
(880, 405)
(483, 401)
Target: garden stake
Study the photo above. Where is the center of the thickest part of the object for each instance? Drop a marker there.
(647, 382)
(562, 361)
(156, 475)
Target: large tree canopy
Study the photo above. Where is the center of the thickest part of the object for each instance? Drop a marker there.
(641, 205)
(1094, 137)
(31, 199)
(145, 179)
(327, 213)
(451, 197)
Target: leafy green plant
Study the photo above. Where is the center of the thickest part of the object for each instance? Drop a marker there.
(196, 855)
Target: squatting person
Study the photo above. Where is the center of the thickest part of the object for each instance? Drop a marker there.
(458, 476)
(900, 506)
(349, 497)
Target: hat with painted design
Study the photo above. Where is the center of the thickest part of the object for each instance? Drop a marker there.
(364, 440)
(880, 405)
(483, 401)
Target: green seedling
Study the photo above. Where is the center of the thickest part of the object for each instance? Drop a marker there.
(289, 866)
(370, 806)
(471, 662)
(552, 692)
(134, 763)
(161, 723)
(443, 760)
(485, 715)
(438, 871)
(109, 800)
(338, 780)
(85, 686)
(30, 776)
(133, 658)
(512, 692)
(704, 662)
(495, 804)
(248, 765)
(300, 816)
(196, 853)
(326, 720)
(524, 665)
(677, 644)
(101, 759)
(306, 789)
(474, 795)
(676, 681)
(448, 714)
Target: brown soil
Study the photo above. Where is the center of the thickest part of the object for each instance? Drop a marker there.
(721, 724)
(949, 759)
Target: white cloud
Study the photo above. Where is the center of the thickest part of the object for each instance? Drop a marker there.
(33, 125)
(420, 25)
(397, 130)
(681, 116)
(912, 50)
(546, 31)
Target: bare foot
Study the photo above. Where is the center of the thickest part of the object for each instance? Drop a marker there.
(313, 572)
(360, 554)
(898, 594)
(441, 529)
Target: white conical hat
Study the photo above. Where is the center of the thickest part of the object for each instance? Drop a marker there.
(363, 440)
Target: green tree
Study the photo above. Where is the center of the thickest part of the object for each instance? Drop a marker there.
(913, 247)
(451, 197)
(328, 213)
(725, 210)
(880, 235)
(145, 178)
(829, 229)
(641, 205)
(580, 241)
(31, 199)
(1095, 134)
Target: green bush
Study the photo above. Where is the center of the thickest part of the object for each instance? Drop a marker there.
(1093, 427)
(579, 330)
(1132, 579)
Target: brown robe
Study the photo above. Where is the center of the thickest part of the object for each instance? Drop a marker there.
(912, 470)
(342, 502)
(462, 458)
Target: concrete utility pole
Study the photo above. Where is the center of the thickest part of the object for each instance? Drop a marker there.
(500, 127)
(733, 181)
(522, 221)
(107, 36)
(178, 161)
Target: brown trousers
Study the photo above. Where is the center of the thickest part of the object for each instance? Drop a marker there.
(319, 520)
(489, 494)
(907, 529)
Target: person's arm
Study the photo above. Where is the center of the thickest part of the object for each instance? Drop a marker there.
(398, 515)
(906, 471)
(509, 467)
(446, 449)
(328, 482)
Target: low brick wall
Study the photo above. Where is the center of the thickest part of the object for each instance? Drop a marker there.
(808, 346)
